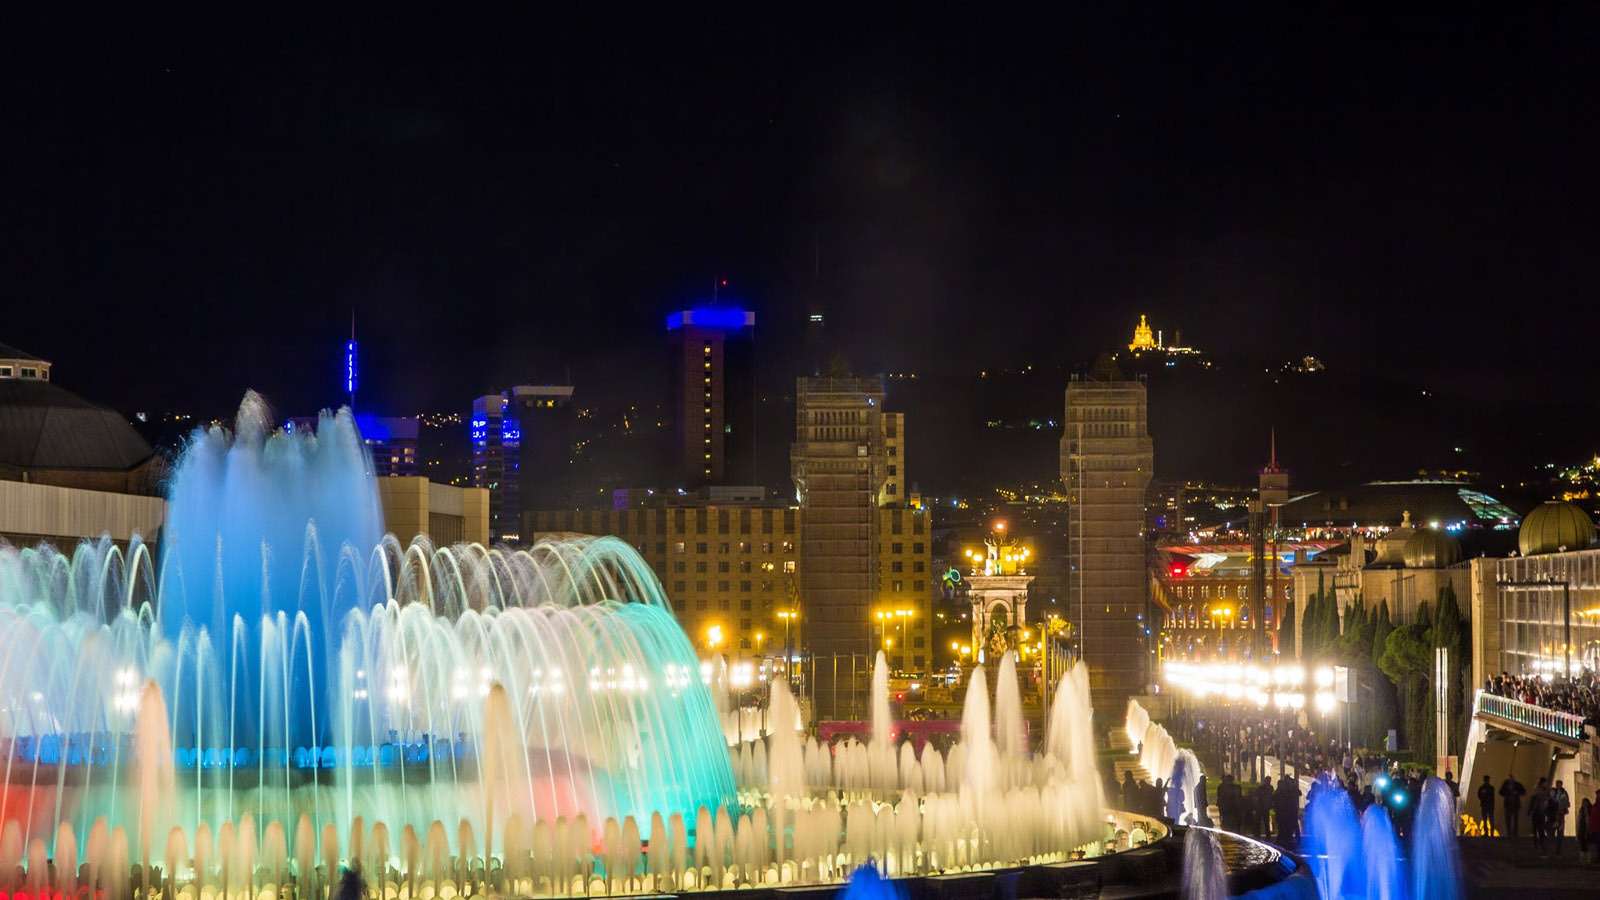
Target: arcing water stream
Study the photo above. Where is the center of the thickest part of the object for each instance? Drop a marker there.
(286, 694)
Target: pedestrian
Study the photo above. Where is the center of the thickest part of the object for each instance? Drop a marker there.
(1263, 806)
(1594, 825)
(1286, 804)
(1450, 782)
(1511, 791)
(1560, 806)
(1228, 797)
(1202, 802)
(1129, 793)
(1538, 810)
(1486, 803)
(1582, 827)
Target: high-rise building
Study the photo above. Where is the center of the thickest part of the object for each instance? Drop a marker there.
(496, 451)
(713, 387)
(522, 453)
(1106, 460)
(545, 420)
(839, 464)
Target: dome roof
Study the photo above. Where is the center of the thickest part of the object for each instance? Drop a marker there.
(1553, 527)
(43, 426)
(1431, 548)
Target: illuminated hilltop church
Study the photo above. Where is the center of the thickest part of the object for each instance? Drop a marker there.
(1146, 340)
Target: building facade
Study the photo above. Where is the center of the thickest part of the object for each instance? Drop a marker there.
(734, 576)
(1106, 460)
(728, 570)
(447, 514)
(903, 610)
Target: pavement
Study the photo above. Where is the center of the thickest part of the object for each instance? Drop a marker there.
(1506, 867)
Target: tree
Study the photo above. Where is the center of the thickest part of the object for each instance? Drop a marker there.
(1408, 661)
(1383, 714)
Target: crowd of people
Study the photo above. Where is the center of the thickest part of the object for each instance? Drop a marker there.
(1546, 808)
(1238, 739)
(1267, 810)
(1578, 695)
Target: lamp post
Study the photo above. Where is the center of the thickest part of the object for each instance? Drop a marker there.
(788, 616)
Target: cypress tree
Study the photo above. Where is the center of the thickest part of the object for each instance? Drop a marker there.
(1384, 706)
(1450, 633)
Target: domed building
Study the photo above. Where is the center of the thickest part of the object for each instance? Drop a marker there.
(69, 468)
(1536, 614)
(1431, 548)
(1555, 527)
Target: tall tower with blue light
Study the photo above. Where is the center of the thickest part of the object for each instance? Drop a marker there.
(350, 369)
(713, 380)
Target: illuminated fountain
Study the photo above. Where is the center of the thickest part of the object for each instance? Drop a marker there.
(286, 694)
(1362, 856)
(286, 683)
(1161, 757)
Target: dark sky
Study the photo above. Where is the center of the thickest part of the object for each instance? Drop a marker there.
(194, 206)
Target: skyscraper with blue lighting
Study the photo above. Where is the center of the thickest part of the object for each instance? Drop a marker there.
(713, 393)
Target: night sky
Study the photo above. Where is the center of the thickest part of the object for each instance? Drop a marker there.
(195, 206)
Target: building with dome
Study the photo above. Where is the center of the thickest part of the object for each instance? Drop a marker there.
(69, 469)
(1537, 611)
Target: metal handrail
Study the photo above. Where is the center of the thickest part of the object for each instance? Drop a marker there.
(1566, 725)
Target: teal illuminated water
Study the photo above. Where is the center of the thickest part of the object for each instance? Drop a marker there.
(308, 666)
(285, 694)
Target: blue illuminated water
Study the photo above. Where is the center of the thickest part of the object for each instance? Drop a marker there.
(1363, 857)
(309, 666)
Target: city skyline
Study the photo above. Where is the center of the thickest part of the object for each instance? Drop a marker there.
(952, 193)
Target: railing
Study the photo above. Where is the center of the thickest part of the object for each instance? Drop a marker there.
(1566, 725)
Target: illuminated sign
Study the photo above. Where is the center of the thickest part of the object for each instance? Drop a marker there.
(350, 367)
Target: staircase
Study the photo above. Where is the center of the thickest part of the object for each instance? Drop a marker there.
(1125, 760)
